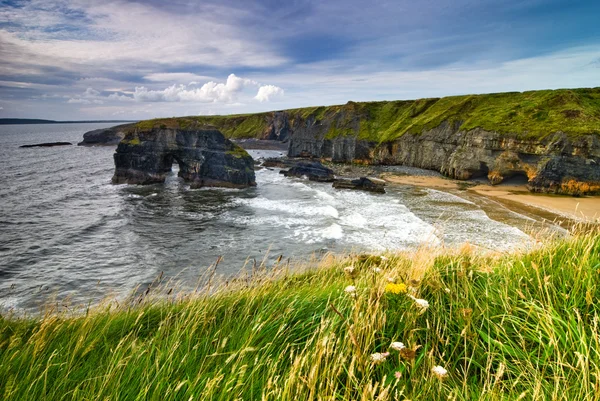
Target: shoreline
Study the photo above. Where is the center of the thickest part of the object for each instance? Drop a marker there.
(584, 209)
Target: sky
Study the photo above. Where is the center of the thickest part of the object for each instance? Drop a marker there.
(133, 60)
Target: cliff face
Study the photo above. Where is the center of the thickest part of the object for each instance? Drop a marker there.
(554, 164)
(204, 155)
(550, 137)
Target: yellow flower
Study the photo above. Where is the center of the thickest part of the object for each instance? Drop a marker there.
(394, 288)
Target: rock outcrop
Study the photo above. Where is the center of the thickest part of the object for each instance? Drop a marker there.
(362, 184)
(106, 136)
(46, 145)
(204, 155)
(314, 171)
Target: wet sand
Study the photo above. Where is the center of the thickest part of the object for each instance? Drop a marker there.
(586, 209)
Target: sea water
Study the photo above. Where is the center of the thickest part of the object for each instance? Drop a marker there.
(66, 232)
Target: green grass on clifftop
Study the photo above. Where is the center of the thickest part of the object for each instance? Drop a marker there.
(505, 327)
(533, 114)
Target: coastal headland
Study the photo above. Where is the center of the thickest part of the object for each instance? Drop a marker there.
(551, 138)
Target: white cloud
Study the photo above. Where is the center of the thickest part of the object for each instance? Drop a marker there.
(266, 92)
(120, 98)
(226, 93)
(210, 92)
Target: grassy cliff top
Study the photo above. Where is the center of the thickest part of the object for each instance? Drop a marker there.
(504, 327)
(533, 114)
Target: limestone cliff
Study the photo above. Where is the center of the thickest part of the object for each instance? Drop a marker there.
(204, 155)
(550, 137)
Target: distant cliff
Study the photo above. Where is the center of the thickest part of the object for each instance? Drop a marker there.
(550, 137)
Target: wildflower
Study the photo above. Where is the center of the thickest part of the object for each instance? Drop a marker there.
(398, 375)
(395, 288)
(421, 303)
(350, 271)
(391, 279)
(376, 270)
(447, 290)
(439, 372)
(397, 345)
(350, 289)
(383, 258)
(379, 357)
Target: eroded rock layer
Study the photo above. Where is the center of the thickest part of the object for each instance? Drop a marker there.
(554, 164)
(205, 158)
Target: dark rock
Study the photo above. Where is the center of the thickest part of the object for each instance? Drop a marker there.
(362, 183)
(315, 171)
(106, 136)
(46, 145)
(280, 162)
(204, 155)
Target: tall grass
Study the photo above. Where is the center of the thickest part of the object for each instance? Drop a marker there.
(519, 326)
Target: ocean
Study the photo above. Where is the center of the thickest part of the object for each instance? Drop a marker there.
(69, 236)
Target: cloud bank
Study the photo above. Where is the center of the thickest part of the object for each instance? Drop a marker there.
(225, 93)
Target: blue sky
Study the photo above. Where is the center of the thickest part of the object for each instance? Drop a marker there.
(78, 59)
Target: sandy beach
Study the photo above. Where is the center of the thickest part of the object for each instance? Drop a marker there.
(586, 209)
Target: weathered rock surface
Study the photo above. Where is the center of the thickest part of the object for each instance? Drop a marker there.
(105, 136)
(279, 162)
(363, 184)
(314, 171)
(204, 155)
(46, 145)
(554, 164)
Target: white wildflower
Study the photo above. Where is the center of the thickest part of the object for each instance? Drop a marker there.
(447, 290)
(383, 258)
(379, 357)
(439, 372)
(391, 279)
(349, 270)
(376, 270)
(421, 303)
(350, 289)
(397, 345)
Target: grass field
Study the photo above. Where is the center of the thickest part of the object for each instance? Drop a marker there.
(473, 326)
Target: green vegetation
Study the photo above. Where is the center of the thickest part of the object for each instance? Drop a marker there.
(238, 152)
(533, 114)
(505, 327)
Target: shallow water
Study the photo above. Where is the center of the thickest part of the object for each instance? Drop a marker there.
(66, 231)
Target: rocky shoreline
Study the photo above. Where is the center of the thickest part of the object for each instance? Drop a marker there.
(560, 156)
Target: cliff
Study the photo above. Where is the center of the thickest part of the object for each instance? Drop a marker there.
(105, 136)
(550, 137)
(204, 155)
